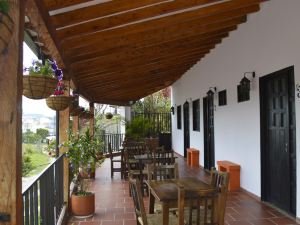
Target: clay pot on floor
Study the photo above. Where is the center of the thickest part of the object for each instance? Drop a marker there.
(83, 205)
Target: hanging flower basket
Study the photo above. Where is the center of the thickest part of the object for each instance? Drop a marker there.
(108, 115)
(6, 31)
(59, 102)
(38, 86)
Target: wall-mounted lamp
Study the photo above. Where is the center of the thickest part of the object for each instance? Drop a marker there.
(211, 91)
(245, 82)
(172, 110)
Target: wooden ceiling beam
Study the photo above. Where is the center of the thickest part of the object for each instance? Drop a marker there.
(138, 74)
(99, 10)
(58, 4)
(197, 14)
(188, 42)
(148, 53)
(133, 71)
(147, 38)
(139, 61)
(128, 17)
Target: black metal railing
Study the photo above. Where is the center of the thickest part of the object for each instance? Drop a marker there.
(160, 122)
(115, 140)
(43, 200)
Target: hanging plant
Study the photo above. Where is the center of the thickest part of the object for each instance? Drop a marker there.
(41, 81)
(58, 101)
(109, 115)
(6, 26)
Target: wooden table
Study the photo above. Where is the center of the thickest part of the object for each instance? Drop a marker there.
(166, 192)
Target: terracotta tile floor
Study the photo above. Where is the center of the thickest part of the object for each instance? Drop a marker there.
(115, 207)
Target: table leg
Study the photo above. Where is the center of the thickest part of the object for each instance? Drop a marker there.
(151, 203)
(165, 211)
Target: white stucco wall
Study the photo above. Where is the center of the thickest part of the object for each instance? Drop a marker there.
(268, 42)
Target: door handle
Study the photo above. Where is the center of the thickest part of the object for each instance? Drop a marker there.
(286, 147)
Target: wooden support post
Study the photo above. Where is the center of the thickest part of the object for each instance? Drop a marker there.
(11, 66)
(92, 119)
(64, 124)
(75, 125)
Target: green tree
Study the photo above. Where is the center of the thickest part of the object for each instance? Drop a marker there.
(157, 102)
(43, 133)
(30, 137)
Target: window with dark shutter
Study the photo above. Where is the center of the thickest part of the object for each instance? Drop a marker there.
(179, 117)
(196, 115)
(222, 98)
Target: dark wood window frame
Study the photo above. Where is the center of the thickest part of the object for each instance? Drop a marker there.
(179, 117)
(222, 98)
(196, 115)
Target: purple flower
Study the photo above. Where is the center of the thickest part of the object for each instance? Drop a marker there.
(53, 65)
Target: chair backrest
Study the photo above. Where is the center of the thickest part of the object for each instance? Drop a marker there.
(162, 157)
(162, 172)
(136, 194)
(110, 151)
(197, 206)
(135, 148)
(220, 180)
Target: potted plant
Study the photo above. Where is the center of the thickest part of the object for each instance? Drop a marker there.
(83, 153)
(41, 82)
(6, 25)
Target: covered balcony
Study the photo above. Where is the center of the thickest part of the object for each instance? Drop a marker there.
(233, 67)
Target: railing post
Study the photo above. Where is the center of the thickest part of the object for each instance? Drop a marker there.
(11, 63)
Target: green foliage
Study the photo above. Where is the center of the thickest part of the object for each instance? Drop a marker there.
(4, 6)
(38, 68)
(43, 133)
(158, 102)
(51, 148)
(27, 166)
(83, 152)
(34, 160)
(138, 128)
(30, 137)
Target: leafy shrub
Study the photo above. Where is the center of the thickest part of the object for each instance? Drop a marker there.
(138, 128)
(27, 166)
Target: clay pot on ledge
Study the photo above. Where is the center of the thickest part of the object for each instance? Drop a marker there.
(83, 206)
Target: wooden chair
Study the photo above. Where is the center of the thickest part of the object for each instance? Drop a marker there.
(162, 157)
(113, 162)
(135, 171)
(220, 180)
(141, 216)
(162, 172)
(198, 207)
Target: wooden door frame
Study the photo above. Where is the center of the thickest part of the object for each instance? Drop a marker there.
(184, 128)
(263, 125)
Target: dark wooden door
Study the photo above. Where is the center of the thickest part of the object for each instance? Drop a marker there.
(209, 138)
(186, 127)
(278, 139)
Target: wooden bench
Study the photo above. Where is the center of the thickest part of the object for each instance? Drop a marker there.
(234, 173)
(193, 157)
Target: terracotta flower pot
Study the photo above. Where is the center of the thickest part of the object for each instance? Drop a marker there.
(83, 205)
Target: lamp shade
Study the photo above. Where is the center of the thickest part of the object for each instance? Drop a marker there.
(172, 110)
(245, 84)
(210, 93)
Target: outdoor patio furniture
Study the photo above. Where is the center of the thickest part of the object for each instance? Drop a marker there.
(116, 165)
(166, 192)
(141, 216)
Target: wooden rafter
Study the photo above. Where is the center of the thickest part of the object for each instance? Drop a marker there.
(118, 51)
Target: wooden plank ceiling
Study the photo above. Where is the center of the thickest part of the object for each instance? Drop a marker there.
(122, 50)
